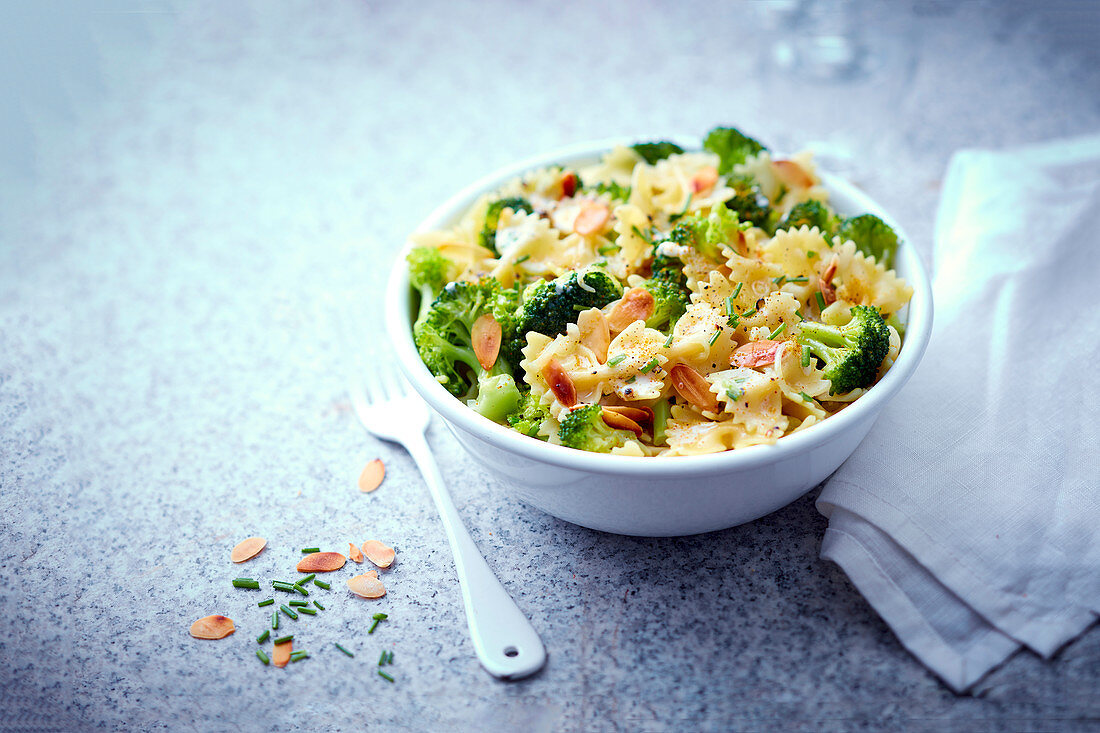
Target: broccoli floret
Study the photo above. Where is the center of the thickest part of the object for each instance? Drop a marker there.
(428, 274)
(873, 237)
(750, 204)
(670, 269)
(658, 150)
(731, 146)
(584, 429)
(812, 213)
(492, 219)
(707, 234)
(852, 353)
(615, 190)
(529, 415)
(443, 337)
(497, 396)
(670, 301)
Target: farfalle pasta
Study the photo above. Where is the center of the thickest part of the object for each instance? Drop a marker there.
(660, 302)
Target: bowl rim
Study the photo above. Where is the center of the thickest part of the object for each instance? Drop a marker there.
(397, 308)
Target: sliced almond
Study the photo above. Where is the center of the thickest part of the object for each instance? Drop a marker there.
(620, 422)
(321, 562)
(791, 174)
(693, 387)
(825, 282)
(640, 415)
(636, 305)
(704, 179)
(559, 383)
(378, 553)
(755, 353)
(593, 218)
(485, 335)
(281, 653)
(829, 272)
(213, 627)
(367, 585)
(372, 475)
(247, 549)
(354, 553)
(595, 333)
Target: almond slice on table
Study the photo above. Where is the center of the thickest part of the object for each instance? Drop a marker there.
(282, 652)
(636, 305)
(791, 174)
(560, 383)
(485, 336)
(354, 553)
(247, 549)
(756, 353)
(367, 585)
(321, 562)
(640, 415)
(372, 475)
(213, 627)
(693, 387)
(378, 553)
(704, 179)
(620, 422)
(595, 333)
(592, 218)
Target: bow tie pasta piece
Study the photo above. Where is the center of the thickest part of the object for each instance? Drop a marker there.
(702, 338)
(633, 247)
(577, 361)
(794, 378)
(635, 363)
(752, 400)
(778, 310)
(802, 255)
(859, 280)
(530, 247)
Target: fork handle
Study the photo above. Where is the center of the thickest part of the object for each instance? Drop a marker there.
(506, 643)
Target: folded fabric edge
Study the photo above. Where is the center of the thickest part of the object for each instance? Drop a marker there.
(1042, 628)
(908, 624)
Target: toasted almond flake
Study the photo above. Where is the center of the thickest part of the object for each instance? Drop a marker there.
(354, 553)
(367, 585)
(568, 185)
(829, 272)
(620, 422)
(281, 653)
(704, 179)
(592, 218)
(485, 335)
(640, 415)
(636, 305)
(372, 475)
(595, 333)
(691, 385)
(378, 553)
(755, 353)
(247, 549)
(791, 174)
(213, 627)
(559, 383)
(321, 562)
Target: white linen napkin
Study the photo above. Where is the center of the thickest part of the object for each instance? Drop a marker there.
(970, 516)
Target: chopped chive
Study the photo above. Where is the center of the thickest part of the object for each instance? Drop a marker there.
(300, 589)
(810, 254)
(729, 305)
(650, 366)
(668, 341)
(800, 279)
(616, 360)
(737, 290)
(268, 602)
(274, 620)
(263, 637)
(309, 550)
(385, 676)
(389, 658)
(373, 626)
(581, 308)
(779, 280)
(288, 612)
(522, 259)
(733, 320)
(805, 356)
(246, 583)
(820, 300)
(607, 249)
(321, 584)
(308, 611)
(298, 656)
(263, 657)
(382, 659)
(283, 639)
(631, 380)
(318, 604)
(298, 603)
(800, 316)
(641, 235)
(303, 581)
(806, 397)
(749, 312)
(715, 337)
(345, 651)
(778, 330)
(284, 587)
(380, 617)
(734, 394)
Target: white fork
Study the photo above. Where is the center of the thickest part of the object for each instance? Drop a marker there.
(505, 642)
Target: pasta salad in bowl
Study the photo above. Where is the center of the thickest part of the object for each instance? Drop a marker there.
(652, 309)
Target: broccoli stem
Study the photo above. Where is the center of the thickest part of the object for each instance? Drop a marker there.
(661, 411)
(497, 397)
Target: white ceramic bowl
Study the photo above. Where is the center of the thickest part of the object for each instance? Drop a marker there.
(657, 497)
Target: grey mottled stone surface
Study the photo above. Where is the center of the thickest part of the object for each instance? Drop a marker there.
(215, 181)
